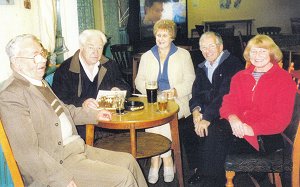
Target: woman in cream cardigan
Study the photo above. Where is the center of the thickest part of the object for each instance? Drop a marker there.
(172, 68)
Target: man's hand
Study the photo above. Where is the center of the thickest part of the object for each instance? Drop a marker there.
(201, 128)
(72, 184)
(197, 116)
(237, 126)
(90, 103)
(104, 115)
(115, 89)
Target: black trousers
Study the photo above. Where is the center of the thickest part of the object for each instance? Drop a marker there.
(208, 154)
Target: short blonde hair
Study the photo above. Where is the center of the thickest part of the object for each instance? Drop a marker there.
(266, 42)
(86, 34)
(165, 24)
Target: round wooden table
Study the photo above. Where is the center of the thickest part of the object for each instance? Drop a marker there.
(142, 119)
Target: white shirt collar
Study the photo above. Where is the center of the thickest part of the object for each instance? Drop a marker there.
(33, 81)
(92, 75)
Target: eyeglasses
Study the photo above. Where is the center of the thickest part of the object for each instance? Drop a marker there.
(209, 47)
(259, 51)
(38, 58)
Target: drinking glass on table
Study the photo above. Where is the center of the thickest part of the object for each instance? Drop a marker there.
(162, 101)
(120, 105)
(151, 89)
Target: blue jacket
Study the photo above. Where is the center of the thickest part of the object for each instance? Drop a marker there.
(209, 95)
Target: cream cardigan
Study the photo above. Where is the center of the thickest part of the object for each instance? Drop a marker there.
(181, 75)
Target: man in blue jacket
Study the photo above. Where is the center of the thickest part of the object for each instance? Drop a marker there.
(212, 82)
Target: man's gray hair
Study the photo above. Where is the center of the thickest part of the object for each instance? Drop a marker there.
(83, 37)
(211, 33)
(12, 47)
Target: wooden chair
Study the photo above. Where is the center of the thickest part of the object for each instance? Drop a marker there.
(200, 29)
(10, 160)
(295, 74)
(284, 160)
(122, 54)
(269, 30)
(225, 32)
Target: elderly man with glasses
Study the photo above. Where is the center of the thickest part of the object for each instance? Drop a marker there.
(41, 129)
(212, 82)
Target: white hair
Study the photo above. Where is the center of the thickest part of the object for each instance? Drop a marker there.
(83, 37)
(13, 46)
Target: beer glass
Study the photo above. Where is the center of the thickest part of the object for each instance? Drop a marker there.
(162, 101)
(151, 88)
(120, 105)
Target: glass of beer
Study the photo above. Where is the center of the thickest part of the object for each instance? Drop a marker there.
(120, 105)
(162, 101)
(151, 88)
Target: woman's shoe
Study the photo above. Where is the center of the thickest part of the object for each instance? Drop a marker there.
(153, 174)
(169, 174)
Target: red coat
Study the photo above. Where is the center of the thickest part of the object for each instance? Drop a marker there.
(267, 106)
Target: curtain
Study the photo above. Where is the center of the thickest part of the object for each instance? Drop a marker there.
(47, 23)
(69, 24)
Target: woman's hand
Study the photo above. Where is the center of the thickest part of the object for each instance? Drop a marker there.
(237, 126)
(248, 130)
(171, 93)
(90, 103)
(104, 115)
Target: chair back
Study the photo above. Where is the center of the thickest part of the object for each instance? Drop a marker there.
(200, 29)
(295, 24)
(122, 54)
(224, 32)
(10, 159)
(269, 30)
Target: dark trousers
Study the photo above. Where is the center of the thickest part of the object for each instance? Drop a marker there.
(212, 150)
(190, 141)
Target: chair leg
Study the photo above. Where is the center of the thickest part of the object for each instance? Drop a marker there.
(275, 177)
(229, 177)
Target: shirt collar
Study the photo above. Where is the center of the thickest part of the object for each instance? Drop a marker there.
(173, 49)
(32, 81)
(92, 75)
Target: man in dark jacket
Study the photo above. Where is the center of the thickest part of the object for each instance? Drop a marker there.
(87, 71)
(212, 82)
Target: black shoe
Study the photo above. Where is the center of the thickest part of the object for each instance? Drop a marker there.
(195, 178)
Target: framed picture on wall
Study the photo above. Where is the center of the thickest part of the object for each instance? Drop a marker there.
(6, 2)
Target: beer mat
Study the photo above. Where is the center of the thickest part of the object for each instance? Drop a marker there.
(133, 105)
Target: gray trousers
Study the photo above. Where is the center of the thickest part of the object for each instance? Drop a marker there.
(99, 167)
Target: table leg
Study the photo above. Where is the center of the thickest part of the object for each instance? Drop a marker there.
(89, 135)
(176, 149)
(133, 141)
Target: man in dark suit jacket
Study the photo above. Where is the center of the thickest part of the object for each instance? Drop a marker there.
(212, 82)
(87, 71)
